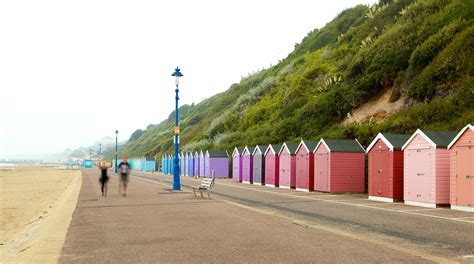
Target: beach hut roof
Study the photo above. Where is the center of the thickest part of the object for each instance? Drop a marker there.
(290, 146)
(341, 145)
(308, 144)
(249, 149)
(469, 126)
(238, 151)
(436, 138)
(258, 148)
(273, 147)
(216, 153)
(393, 141)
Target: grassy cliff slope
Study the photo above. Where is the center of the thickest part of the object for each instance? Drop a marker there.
(421, 52)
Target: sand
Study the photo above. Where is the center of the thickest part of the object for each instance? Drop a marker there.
(36, 207)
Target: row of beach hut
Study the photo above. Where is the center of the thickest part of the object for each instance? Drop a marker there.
(427, 168)
(140, 163)
(209, 163)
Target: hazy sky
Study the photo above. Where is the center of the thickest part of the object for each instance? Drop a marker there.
(72, 72)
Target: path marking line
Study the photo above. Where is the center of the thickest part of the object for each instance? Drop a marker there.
(357, 199)
(370, 206)
(468, 217)
(425, 209)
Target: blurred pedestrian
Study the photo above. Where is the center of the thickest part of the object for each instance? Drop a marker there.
(124, 171)
(104, 177)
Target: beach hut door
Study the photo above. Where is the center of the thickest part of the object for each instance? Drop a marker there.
(321, 164)
(382, 176)
(423, 180)
(465, 175)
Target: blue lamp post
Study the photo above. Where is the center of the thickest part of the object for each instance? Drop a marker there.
(116, 151)
(176, 184)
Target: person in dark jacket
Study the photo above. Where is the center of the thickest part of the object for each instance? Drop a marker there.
(124, 171)
(104, 178)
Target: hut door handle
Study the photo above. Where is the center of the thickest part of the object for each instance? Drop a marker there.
(418, 195)
(380, 170)
(420, 174)
(469, 176)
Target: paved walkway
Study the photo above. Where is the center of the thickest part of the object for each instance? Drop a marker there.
(424, 232)
(154, 224)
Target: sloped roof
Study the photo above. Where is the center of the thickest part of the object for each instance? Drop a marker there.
(341, 145)
(439, 139)
(250, 149)
(276, 148)
(261, 148)
(239, 150)
(310, 145)
(469, 126)
(217, 153)
(397, 140)
(291, 146)
(393, 141)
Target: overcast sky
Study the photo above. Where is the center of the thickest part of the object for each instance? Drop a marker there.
(72, 72)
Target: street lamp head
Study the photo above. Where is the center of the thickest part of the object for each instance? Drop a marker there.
(116, 132)
(177, 74)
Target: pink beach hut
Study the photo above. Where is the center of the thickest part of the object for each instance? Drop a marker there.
(305, 166)
(426, 168)
(288, 165)
(461, 175)
(237, 164)
(272, 165)
(247, 165)
(339, 166)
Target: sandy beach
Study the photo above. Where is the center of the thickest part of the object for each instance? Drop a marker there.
(36, 207)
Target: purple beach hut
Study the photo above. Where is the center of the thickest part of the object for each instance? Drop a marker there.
(217, 162)
(237, 164)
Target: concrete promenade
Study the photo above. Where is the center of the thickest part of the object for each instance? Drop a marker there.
(253, 224)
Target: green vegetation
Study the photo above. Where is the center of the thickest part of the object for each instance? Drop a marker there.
(422, 50)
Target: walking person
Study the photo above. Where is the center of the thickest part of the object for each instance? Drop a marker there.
(124, 171)
(104, 178)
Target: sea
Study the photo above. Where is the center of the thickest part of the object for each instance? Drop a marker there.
(8, 165)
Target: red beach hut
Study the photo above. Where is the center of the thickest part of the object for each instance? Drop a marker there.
(426, 168)
(287, 155)
(462, 170)
(339, 166)
(237, 164)
(386, 167)
(305, 166)
(247, 165)
(272, 165)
